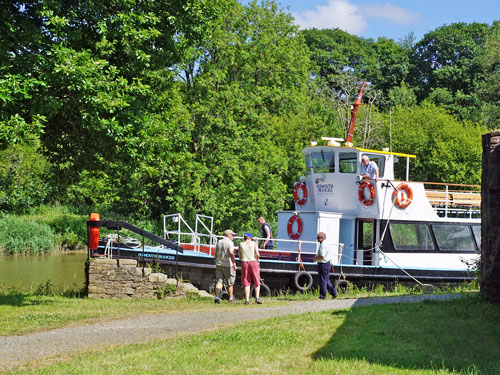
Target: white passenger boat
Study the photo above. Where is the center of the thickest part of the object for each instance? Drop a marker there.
(381, 231)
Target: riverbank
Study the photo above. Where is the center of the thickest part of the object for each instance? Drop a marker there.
(275, 340)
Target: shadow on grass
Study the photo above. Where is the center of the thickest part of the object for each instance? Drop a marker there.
(461, 335)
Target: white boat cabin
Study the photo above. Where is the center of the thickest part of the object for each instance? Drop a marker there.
(380, 223)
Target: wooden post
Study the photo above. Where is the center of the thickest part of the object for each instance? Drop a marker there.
(490, 217)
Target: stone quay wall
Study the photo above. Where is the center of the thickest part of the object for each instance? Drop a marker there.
(121, 279)
(490, 217)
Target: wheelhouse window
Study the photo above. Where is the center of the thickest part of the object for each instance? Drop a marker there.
(411, 236)
(476, 230)
(451, 237)
(380, 161)
(321, 162)
(348, 162)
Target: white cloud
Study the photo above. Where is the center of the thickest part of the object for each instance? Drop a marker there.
(392, 13)
(338, 13)
(352, 18)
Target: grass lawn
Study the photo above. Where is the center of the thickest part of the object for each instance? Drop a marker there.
(449, 337)
(22, 313)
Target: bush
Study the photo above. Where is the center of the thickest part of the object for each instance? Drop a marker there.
(23, 236)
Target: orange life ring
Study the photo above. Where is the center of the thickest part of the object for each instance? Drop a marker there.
(403, 195)
(366, 201)
(301, 186)
(294, 235)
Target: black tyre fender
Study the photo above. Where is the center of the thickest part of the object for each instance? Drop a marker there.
(265, 291)
(342, 285)
(224, 295)
(302, 281)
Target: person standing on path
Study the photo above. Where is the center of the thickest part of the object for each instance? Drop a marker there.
(323, 259)
(250, 269)
(266, 234)
(225, 265)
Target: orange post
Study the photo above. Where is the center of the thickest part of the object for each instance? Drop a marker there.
(94, 232)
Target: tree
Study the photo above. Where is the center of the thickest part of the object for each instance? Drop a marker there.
(446, 69)
(489, 89)
(447, 150)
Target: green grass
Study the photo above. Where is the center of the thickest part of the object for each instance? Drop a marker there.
(47, 308)
(22, 313)
(450, 337)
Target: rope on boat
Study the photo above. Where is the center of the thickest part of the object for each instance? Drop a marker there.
(377, 246)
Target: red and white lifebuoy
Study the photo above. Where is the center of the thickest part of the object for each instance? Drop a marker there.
(403, 195)
(291, 233)
(366, 200)
(296, 196)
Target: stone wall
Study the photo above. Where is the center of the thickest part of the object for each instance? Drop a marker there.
(490, 217)
(121, 278)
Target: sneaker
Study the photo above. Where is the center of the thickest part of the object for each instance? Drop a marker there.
(217, 300)
(247, 302)
(232, 300)
(322, 297)
(334, 296)
(258, 301)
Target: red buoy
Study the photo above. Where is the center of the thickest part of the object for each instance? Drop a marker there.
(94, 232)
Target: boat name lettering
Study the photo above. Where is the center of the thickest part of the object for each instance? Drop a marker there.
(324, 188)
(159, 256)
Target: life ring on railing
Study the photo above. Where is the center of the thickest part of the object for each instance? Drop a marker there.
(366, 201)
(294, 235)
(300, 186)
(403, 195)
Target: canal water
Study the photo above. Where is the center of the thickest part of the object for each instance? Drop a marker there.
(65, 271)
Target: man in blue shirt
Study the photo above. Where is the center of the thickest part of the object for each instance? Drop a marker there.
(369, 169)
(324, 266)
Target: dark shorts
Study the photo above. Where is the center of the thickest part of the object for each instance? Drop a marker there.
(250, 271)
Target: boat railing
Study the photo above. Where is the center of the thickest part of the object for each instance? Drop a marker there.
(454, 200)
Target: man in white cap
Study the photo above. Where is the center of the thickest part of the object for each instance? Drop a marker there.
(225, 265)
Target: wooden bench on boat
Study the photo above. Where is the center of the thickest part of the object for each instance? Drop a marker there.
(437, 197)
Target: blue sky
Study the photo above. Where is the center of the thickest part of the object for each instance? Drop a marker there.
(390, 18)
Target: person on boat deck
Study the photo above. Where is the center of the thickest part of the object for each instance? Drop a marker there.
(250, 270)
(369, 169)
(266, 234)
(225, 265)
(322, 257)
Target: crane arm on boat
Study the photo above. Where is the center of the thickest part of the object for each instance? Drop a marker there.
(354, 112)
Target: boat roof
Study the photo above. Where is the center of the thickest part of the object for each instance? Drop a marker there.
(308, 149)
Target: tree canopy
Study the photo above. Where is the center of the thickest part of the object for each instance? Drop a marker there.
(144, 108)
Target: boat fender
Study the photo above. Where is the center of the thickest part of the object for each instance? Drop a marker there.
(300, 186)
(265, 291)
(341, 285)
(94, 232)
(366, 201)
(403, 195)
(302, 281)
(294, 235)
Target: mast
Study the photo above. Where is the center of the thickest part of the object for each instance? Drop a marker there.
(354, 111)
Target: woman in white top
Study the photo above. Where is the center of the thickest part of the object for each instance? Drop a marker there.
(250, 269)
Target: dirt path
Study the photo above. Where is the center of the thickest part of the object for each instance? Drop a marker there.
(17, 351)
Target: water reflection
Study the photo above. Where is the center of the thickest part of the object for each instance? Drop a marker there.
(27, 272)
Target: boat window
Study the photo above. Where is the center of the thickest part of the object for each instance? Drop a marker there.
(452, 237)
(476, 229)
(411, 236)
(348, 162)
(380, 161)
(322, 162)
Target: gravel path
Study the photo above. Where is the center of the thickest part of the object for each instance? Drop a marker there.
(16, 351)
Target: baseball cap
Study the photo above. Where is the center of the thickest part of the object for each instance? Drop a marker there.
(229, 231)
(249, 235)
